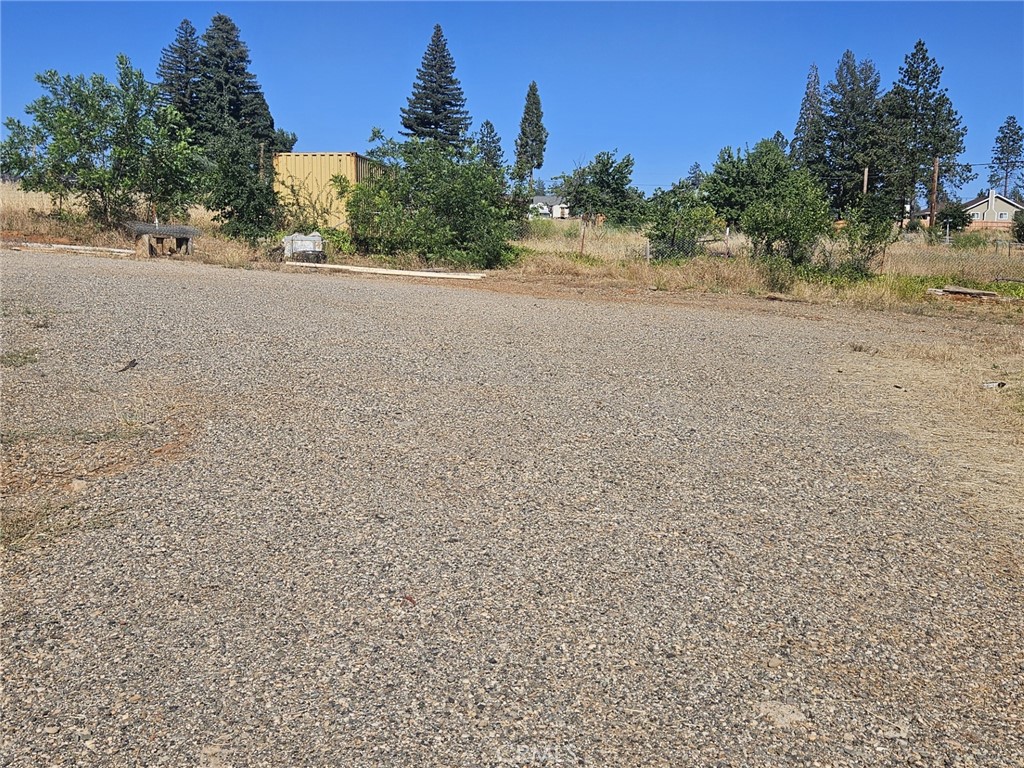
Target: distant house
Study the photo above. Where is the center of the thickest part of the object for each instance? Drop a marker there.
(305, 178)
(549, 207)
(992, 211)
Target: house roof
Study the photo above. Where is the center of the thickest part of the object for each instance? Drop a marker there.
(985, 198)
(547, 200)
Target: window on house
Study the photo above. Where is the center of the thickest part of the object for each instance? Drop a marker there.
(1003, 216)
(975, 215)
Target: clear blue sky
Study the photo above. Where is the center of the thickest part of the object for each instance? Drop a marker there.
(669, 83)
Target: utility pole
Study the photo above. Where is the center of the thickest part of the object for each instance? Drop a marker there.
(935, 192)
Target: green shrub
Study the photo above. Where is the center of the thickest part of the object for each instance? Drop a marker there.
(441, 205)
(778, 273)
(968, 241)
(1018, 226)
(541, 229)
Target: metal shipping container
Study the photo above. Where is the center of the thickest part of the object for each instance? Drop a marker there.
(307, 175)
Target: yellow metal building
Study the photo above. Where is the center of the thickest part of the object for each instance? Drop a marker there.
(307, 176)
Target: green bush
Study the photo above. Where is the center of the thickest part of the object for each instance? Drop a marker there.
(788, 220)
(439, 204)
(1018, 226)
(778, 273)
(969, 241)
(541, 229)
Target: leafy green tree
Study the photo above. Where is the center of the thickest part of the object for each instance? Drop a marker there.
(851, 129)
(955, 215)
(238, 189)
(807, 150)
(437, 107)
(533, 138)
(443, 205)
(111, 146)
(604, 187)
(1007, 155)
(178, 73)
(867, 230)
(789, 220)
(918, 124)
(727, 186)
(678, 218)
(738, 180)
(1018, 226)
(490, 146)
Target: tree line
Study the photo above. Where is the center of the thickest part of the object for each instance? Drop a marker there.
(858, 154)
(203, 133)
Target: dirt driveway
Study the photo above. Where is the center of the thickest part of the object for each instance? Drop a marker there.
(268, 518)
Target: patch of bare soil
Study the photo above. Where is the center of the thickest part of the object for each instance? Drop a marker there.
(48, 470)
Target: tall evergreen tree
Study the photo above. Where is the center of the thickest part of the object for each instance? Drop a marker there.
(808, 146)
(178, 73)
(236, 130)
(919, 124)
(229, 95)
(1007, 155)
(533, 137)
(490, 146)
(437, 107)
(695, 176)
(851, 129)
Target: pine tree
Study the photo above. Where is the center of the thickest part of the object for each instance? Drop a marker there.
(178, 73)
(230, 98)
(490, 146)
(851, 129)
(1007, 155)
(437, 107)
(695, 176)
(236, 130)
(808, 146)
(533, 137)
(919, 124)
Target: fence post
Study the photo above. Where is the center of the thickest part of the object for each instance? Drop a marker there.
(647, 250)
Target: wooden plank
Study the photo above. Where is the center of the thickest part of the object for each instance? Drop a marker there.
(398, 272)
(960, 290)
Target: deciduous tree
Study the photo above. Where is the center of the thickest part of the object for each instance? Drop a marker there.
(111, 146)
(442, 205)
(604, 187)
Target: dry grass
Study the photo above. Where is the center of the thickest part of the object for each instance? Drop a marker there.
(30, 216)
(995, 261)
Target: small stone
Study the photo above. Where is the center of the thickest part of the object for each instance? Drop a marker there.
(775, 662)
(51, 729)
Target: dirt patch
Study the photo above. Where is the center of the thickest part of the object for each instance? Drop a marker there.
(47, 472)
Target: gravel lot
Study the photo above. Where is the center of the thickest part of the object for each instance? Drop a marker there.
(329, 520)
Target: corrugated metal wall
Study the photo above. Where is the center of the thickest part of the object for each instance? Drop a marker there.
(308, 174)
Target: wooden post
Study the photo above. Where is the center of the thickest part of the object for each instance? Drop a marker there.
(935, 192)
(865, 189)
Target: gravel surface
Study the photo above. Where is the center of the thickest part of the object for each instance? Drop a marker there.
(327, 520)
